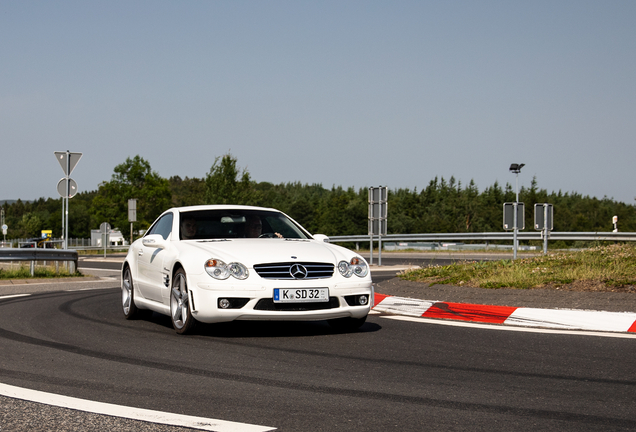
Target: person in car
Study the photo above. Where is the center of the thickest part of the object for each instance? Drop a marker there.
(254, 228)
(188, 229)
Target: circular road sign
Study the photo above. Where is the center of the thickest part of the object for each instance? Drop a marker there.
(61, 188)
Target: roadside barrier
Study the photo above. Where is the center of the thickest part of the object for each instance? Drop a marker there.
(40, 254)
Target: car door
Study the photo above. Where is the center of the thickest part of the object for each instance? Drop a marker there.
(152, 276)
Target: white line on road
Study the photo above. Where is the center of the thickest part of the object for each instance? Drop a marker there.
(14, 295)
(100, 269)
(140, 414)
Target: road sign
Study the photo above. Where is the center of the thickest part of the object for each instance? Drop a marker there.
(62, 188)
(378, 197)
(104, 228)
(539, 223)
(68, 160)
(132, 210)
(67, 188)
(509, 215)
(378, 210)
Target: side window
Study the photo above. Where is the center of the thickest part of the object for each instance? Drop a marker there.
(163, 226)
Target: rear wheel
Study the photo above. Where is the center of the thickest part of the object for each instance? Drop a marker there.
(182, 319)
(347, 324)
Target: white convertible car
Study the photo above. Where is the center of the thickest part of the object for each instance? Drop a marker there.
(221, 263)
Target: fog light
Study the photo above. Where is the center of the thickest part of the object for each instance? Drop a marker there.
(224, 303)
(363, 300)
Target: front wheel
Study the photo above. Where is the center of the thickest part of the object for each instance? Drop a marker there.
(347, 324)
(131, 311)
(182, 319)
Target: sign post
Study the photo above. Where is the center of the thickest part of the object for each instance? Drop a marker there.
(514, 219)
(104, 229)
(377, 218)
(66, 187)
(4, 226)
(544, 221)
(132, 215)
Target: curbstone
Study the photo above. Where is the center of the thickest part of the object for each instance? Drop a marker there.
(570, 319)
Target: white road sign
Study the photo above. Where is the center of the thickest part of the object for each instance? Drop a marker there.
(61, 188)
(68, 161)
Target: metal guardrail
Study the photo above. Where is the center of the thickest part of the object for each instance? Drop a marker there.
(489, 236)
(39, 254)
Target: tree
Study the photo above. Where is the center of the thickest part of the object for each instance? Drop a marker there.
(223, 186)
(187, 192)
(132, 179)
(29, 226)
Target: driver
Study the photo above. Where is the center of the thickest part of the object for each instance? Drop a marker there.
(253, 226)
(188, 228)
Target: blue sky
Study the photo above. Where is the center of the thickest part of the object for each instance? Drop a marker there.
(354, 93)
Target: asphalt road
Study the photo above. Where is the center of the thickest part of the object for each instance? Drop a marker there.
(390, 375)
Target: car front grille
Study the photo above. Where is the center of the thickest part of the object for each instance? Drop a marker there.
(284, 270)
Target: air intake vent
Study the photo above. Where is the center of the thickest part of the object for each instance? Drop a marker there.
(269, 305)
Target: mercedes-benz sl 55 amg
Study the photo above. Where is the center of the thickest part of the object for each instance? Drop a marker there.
(223, 262)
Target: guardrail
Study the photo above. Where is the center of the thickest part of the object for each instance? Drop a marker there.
(489, 236)
(100, 248)
(39, 254)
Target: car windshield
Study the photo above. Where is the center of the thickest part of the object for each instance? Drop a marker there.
(237, 223)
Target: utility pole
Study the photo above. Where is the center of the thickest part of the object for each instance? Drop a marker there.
(516, 168)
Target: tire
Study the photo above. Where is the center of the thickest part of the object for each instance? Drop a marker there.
(347, 324)
(128, 306)
(182, 319)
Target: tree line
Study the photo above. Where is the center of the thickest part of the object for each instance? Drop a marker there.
(443, 206)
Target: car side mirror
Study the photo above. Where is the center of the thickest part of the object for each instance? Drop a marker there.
(321, 237)
(154, 241)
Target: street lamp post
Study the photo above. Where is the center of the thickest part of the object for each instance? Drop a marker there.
(515, 168)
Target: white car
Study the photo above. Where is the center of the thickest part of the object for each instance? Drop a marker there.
(226, 262)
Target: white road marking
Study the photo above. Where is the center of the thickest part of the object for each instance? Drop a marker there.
(141, 414)
(506, 328)
(99, 269)
(88, 289)
(14, 295)
(102, 260)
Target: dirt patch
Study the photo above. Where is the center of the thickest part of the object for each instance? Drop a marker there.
(590, 286)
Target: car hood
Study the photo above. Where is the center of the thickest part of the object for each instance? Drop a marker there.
(257, 251)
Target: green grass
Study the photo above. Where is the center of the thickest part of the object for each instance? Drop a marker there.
(614, 266)
(24, 272)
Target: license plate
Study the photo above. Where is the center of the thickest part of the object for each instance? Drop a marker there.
(296, 295)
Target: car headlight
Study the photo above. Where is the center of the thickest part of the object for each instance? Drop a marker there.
(238, 270)
(219, 270)
(356, 266)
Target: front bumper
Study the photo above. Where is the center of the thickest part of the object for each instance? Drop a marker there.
(257, 303)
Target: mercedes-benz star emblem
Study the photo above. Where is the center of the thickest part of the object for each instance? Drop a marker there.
(298, 271)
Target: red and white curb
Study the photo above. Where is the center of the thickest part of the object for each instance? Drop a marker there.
(568, 319)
